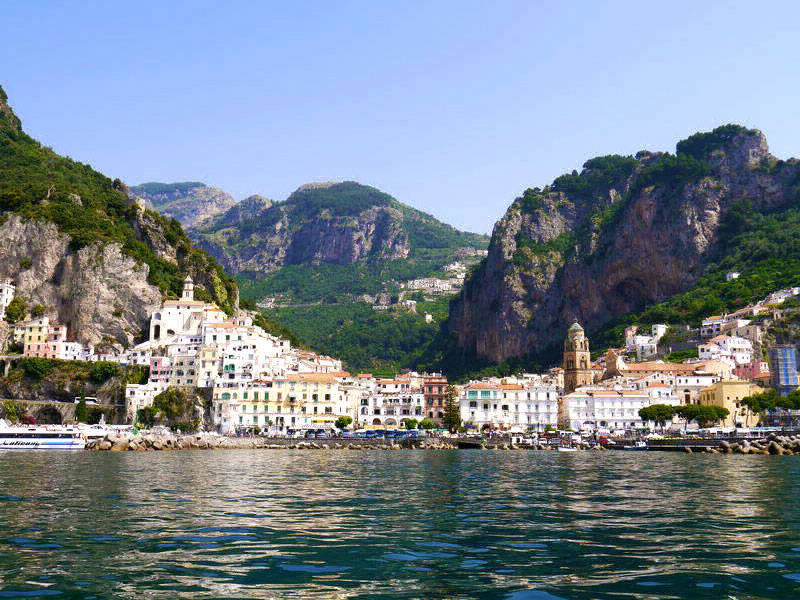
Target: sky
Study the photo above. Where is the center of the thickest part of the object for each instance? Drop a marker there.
(453, 107)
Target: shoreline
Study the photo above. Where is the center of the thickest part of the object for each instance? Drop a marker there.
(121, 442)
(165, 442)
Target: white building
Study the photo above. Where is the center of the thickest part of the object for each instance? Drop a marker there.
(644, 346)
(491, 405)
(6, 296)
(595, 408)
(730, 348)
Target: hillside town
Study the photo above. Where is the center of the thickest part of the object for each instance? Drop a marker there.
(257, 382)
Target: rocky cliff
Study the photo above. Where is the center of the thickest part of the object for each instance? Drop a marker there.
(335, 223)
(624, 233)
(76, 245)
(190, 202)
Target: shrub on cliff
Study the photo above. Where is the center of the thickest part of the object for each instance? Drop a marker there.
(35, 367)
(103, 370)
(15, 311)
(13, 411)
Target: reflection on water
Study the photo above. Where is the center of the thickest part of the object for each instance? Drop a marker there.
(388, 524)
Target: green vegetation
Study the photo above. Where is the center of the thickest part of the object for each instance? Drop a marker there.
(82, 411)
(426, 424)
(705, 415)
(452, 412)
(13, 411)
(411, 423)
(382, 342)
(16, 309)
(526, 248)
(702, 145)
(681, 355)
(769, 400)
(343, 422)
(155, 188)
(174, 408)
(102, 371)
(658, 413)
(598, 176)
(38, 184)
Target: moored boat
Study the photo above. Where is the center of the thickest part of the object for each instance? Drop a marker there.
(31, 437)
(639, 446)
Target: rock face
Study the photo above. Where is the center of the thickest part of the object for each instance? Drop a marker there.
(98, 292)
(74, 243)
(189, 202)
(338, 223)
(624, 233)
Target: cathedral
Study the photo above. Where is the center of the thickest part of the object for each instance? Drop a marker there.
(577, 360)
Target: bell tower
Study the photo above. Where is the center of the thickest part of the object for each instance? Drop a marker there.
(577, 360)
(188, 289)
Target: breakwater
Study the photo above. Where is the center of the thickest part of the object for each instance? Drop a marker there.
(775, 444)
(203, 441)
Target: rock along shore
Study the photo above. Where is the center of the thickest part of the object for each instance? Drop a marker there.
(141, 442)
(772, 444)
(203, 441)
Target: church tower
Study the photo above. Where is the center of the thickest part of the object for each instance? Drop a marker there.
(577, 360)
(188, 289)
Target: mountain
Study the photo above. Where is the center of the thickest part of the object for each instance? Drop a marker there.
(83, 252)
(646, 237)
(190, 202)
(328, 223)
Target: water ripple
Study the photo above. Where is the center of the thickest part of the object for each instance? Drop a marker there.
(427, 525)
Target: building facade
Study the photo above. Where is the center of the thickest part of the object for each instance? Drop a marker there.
(783, 367)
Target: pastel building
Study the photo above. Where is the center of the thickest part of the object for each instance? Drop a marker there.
(729, 394)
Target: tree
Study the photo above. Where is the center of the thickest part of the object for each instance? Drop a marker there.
(343, 421)
(452, 412)
(104, 370)
(411, 423)
(81, 411)
(37, 311)
(704, 414)
(15, 311)
(658, 413)
(426, 424)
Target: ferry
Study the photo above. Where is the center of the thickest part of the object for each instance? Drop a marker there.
(54, 437)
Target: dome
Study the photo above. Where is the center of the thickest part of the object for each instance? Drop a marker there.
(575, 327)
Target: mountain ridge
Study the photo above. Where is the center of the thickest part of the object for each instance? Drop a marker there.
(338, 223)
(625, 233)
(79, 248)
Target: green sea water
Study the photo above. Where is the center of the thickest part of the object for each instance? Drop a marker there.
(398, 524)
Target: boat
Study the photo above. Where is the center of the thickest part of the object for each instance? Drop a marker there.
(567, 449)
(639, 446)
(30, 437)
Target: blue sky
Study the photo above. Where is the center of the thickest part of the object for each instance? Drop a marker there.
(452, 107)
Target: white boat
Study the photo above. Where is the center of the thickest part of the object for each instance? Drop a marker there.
(49, 437)
(567, 449)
